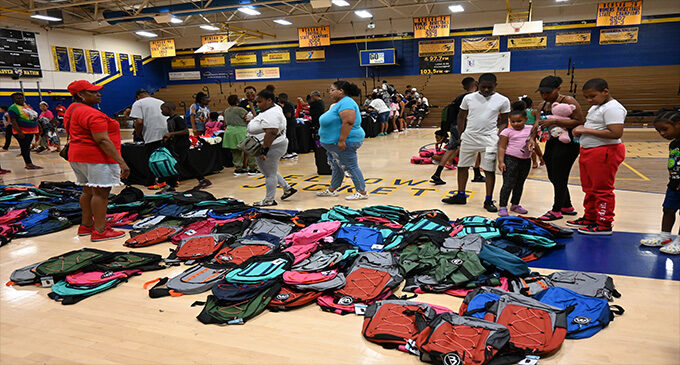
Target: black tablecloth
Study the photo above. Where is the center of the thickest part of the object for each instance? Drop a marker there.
(206, 159)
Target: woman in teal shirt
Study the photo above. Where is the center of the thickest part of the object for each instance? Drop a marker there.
(341, 135)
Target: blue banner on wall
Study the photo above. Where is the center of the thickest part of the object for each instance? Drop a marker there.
(378, 57)
(60, 56)
(110, 64)
(137, 65)
(94, 61)
(78, 62)
(124, 63)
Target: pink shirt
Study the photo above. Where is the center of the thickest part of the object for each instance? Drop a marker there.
(517, 141)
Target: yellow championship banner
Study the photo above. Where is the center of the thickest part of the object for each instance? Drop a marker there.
(240, 59)
(314, 36)
(312, 55)
(270, 57)
(480, 45)
(619, 13)
(183, 62)
(214, 38)
(162, 48)
(619, 35)
(444, 47)
(212, 61)
(571, 38)
(534, 41)
(257, 73)
(432, 26)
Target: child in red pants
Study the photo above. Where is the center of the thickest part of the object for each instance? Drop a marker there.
(601, 154)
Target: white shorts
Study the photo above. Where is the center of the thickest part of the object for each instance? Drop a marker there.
(96, 175)
(470, 149)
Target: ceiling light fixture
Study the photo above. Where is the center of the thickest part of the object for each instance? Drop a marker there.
(209, 27)
(340, 2)
(282, 22)
(456, 8)
(249, 11)
(144, 33)
(363, 14)
(174, 20)
(45, 17)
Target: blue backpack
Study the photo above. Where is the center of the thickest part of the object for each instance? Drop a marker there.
(519, 225)
(162, 163)
(589, 314)
(478, 302)
(365, 238)
(503, 260)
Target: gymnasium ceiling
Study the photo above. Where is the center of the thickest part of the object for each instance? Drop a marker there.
(124, 17)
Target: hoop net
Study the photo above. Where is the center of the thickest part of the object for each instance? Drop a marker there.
(517, 26)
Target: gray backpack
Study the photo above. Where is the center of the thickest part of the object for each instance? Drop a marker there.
(195, 280)
(319, 261)
(420, 281)
(472, 243)
(584, 283)
(25, 275)
(270, 226)
(337, 282)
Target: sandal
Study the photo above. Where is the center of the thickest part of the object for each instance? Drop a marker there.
(569, 211)
(672, 248)
(551, 216)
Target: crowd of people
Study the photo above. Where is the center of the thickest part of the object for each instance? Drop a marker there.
(481, 128)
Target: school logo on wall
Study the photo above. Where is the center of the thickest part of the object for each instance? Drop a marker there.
(619, 35)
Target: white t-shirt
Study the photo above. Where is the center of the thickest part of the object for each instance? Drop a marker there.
(155, 124)
(379, 105)
(482, 117)
(598, 118)
(424, 101)
(270, 118)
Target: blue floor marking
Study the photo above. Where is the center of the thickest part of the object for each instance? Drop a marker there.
(618, 254)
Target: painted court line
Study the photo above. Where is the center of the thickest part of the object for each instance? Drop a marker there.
(635, 171)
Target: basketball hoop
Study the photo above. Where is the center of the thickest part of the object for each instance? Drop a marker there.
(517, 26)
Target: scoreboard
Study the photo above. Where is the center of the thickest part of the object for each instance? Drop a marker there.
(19, 53)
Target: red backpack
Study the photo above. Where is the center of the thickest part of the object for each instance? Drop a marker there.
(289, 298)
(151, 237)
(201, 246)
(391, 323)
(194, 229)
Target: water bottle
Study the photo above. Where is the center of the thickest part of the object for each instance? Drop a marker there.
(545, 132)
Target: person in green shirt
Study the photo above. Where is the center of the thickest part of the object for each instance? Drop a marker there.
(235, 132)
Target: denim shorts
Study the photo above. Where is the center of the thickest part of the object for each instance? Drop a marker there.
(97, 175)
(672, 200)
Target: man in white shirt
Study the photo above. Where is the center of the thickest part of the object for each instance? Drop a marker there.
(481, 115)
(150, 124)
(383, 111)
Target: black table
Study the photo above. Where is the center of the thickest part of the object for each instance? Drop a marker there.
(207, 159)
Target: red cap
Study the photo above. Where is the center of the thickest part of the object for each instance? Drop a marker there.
(82, 85)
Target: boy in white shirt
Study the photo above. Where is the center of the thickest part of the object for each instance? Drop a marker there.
(601, 154)
(481, 115)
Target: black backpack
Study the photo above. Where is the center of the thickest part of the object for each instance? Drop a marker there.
(130, 194)
(192, 197)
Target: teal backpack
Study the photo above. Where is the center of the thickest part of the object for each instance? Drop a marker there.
(531, 240)
(340, 213)
(260, 268)
(71, 294)
(162, 163)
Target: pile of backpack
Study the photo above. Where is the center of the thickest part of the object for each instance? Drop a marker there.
(342, 259)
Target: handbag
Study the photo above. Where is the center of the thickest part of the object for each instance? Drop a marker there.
(251, 146)
(64, 151)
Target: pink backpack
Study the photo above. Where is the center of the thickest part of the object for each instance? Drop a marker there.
(200, 228)
(13, 216)
(312, 233)
(417, 160)
(94, 278)
(121, 219)
(301, 278)
(301, 252)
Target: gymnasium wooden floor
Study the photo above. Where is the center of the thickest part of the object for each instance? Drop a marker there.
(125, 326)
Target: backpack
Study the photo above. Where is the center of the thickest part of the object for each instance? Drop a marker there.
(312, 233)
(192, 196)
(70, 262)
(260, 268)
(121, 219)
(589, 314)
(456, 267)
(557, 231)
(289, 298)
(470, 243)
(13, 216)
(225, 290)
(162, 163)
(149, 222)
(301, 252)
(71, 294)
(527, 254)
(488, 232)
(247, 247)
(24, 276)
(201, 246)
(475, 221)
(309, 216)
(129, 194)
(201, 227)
(336, 282)
(418, 160)
(391, 212)
(503, 261)
(217, 311)
(452, 339)
(391, 323)
(94, 278)
(194, 280)
(131, 260)
(7, 231)
(151, 237)
(521, 225)
(531, 240)
(269, 226)
(365, 238)
(371, 276)
(340, 213)
(530, 285)
(584, 283)
(327, 257)
(49, 226)
(291, 277)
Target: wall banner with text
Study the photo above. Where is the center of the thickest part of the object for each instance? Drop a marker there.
(432, 26)
(480, 45)
(619, 13)
(314, 36)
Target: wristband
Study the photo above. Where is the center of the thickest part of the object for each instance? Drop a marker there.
(265, 150)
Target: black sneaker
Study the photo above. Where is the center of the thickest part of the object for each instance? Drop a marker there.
(437, 180)
(203, 184)
(455, 199)
(254, 172)
(490, 206)
(479, 178)
(239, 172)
(288, 193)
(596, 229)
(580, 223)
(265, 203)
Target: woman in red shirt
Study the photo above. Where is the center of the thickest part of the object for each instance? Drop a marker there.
(94, 155)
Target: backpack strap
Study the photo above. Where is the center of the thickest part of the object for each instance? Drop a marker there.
(616, 309)
(157, 292)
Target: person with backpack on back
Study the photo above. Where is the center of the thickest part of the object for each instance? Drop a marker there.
(177, 142)
(94, 155)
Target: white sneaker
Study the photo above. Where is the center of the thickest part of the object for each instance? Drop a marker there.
(672, 248)
(656, 241)
(326, 193)
(347, 174)
(357, 196)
